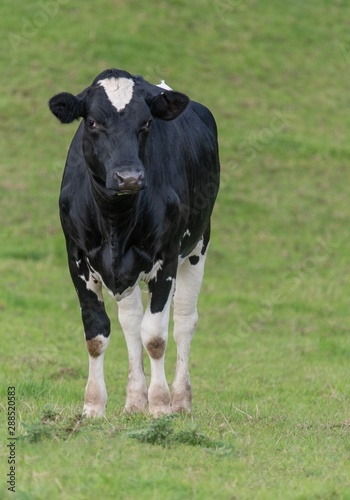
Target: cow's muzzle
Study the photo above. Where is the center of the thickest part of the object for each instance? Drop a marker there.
(128, 182)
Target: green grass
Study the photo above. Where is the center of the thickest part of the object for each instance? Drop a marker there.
(270, 358)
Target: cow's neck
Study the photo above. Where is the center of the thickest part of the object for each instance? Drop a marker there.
(116, 210)
(117, 217)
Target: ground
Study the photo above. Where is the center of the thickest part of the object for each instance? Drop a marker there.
(270, 358)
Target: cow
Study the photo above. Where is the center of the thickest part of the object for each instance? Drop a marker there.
(138, 190)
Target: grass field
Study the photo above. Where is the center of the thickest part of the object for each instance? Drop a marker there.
(270, 359)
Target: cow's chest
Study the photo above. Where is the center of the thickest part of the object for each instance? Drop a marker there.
(98, 271)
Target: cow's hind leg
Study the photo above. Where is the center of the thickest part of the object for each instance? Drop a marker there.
(188, 282)
(130, 312)
(97, 331)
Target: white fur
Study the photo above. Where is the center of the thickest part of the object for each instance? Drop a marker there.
(163, 85)
(188, 282)
(155, 325)
(130, 312)
(95, 392)
(153, 272)
(119, 91)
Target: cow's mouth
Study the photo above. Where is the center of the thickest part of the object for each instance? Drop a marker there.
(131, 190)
(122, 192)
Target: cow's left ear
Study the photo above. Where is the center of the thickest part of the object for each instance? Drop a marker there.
(67, 107)
(168, 105)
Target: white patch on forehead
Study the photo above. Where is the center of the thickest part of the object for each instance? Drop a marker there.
(119, 91)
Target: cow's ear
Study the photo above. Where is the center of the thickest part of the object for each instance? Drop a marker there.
(67, 107)
(168, 105)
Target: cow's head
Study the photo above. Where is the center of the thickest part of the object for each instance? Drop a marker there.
(117, 113)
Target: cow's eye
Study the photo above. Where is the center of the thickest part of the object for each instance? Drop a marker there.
(92, 124)
(146, 126)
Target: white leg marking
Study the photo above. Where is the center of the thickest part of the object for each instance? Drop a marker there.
(95, 392)
(154, 334)
(188, 282)
(130, 312)
(119, 91)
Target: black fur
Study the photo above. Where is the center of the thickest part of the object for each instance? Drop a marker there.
(122, 233)
(66, 107)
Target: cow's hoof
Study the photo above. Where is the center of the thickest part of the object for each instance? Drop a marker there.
(136, 400)
(181, 401)
(135, 407)
(181, 408)
(159, 411)
(94, 411)
(159, 400)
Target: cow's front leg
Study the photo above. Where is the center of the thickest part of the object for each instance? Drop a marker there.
(130, 316)
(97, 330)
(154, 333)
(95, 393)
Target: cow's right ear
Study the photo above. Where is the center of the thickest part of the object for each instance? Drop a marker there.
(168, 105)
(67, 107)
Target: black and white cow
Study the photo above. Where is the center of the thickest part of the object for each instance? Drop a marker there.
(140, 182)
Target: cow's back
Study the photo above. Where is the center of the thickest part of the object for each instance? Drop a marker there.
(183, 154)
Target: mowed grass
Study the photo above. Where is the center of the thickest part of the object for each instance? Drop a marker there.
(270, 358)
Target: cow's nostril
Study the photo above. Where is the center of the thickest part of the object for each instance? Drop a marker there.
(119, 177)
(129, 180)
